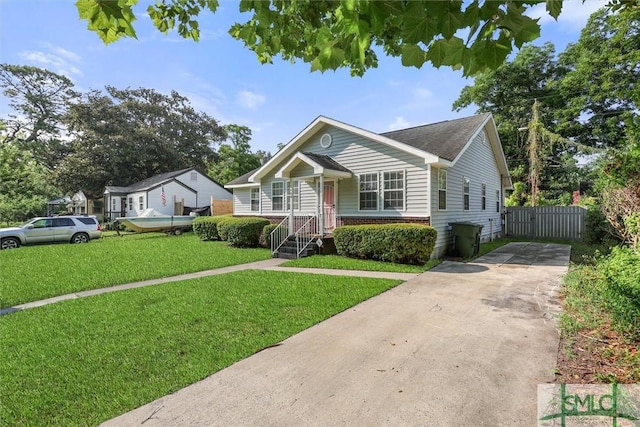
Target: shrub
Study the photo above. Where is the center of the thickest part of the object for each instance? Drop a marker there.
(206, 227)
(400, 243)
(621, 290)
(243, 231)
(265, 239)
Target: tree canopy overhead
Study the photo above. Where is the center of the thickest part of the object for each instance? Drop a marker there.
(472, 36)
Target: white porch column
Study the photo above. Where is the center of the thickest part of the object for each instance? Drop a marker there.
(321, 205)
(289, 197)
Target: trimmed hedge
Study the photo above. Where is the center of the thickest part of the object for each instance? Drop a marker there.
(266, 234)
(242, 232)
(206, 227)
(399, 243)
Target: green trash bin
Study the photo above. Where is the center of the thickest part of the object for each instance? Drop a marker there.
(466, 242)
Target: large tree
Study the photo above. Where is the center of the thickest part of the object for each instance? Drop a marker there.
(509, 93)
(235, 157)
(38, 98)
(128, 135)
(471, 35)
(600, 92)
(537, 155)
(24, 184)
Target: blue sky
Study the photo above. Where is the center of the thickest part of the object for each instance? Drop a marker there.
(225, 80)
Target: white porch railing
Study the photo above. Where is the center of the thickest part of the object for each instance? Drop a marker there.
(280, 235)
(306, 233)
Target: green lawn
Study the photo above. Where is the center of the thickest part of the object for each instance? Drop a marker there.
(32, 273)
(344, 263)
(81, 362)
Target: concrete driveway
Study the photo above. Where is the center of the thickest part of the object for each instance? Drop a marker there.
(461, 345)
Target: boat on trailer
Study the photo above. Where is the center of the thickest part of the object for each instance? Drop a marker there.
(152, 220)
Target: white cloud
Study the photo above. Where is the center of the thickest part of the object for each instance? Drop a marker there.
(399, 123)
(60, 61)
(250, 99)
(423, 93)
(574, 15)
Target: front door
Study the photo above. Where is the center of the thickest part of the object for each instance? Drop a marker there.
(329, 204)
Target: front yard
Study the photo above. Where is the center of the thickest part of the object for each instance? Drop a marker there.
(80, 362)
(33, 273)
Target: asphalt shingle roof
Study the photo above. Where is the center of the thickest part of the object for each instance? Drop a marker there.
(326, 162)
(444, 139)
(147, 183)
(242, 179)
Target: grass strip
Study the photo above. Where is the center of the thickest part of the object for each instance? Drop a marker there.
(81, 362)
(33, 273)
(344, 263)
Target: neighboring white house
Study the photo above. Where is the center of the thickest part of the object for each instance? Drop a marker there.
(168, 193)
(333, 173)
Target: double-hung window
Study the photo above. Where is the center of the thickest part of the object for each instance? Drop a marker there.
(368, 194)
(498, 201)
(442, 189)
(466, 185)
(294, 194)
(484, 196)
(141, 203)
(277, 196)
(255, 199)
(393, 190)
(130, 203)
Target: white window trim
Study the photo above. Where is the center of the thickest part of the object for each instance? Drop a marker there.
(141, 203)
(283, 196)
(377, 209)
(290, 198)
(446, 191)
(404, 190)
(498, 201)
(466, 192)
(251, 199)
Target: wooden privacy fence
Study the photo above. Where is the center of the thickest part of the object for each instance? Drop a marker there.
(546, 222)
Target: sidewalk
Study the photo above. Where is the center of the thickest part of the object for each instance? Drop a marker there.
(269, 264)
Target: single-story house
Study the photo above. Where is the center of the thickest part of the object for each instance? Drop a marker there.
(168, 193)
(80, 204)
(333, 174)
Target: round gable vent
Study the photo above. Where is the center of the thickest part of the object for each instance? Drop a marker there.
(326, 140)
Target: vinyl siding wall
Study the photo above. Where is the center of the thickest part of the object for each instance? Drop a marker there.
(205, 188)
(359, 155)
(479, 165)
(153, 199)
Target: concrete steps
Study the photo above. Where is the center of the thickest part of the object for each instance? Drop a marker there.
(289, 249)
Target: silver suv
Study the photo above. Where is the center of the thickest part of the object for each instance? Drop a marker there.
(72, 229)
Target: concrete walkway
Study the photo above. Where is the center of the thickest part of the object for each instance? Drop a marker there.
(269, 264)
(460, 345)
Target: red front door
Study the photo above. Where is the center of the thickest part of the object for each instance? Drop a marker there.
(329, 204)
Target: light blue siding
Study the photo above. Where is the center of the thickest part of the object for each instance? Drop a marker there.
(479, 165)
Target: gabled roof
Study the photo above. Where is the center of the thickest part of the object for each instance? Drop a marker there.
(444, 139)
(320, 163)
(242, 180)
(440, 144)
(154, 181)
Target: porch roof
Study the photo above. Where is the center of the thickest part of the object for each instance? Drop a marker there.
(321, 164)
